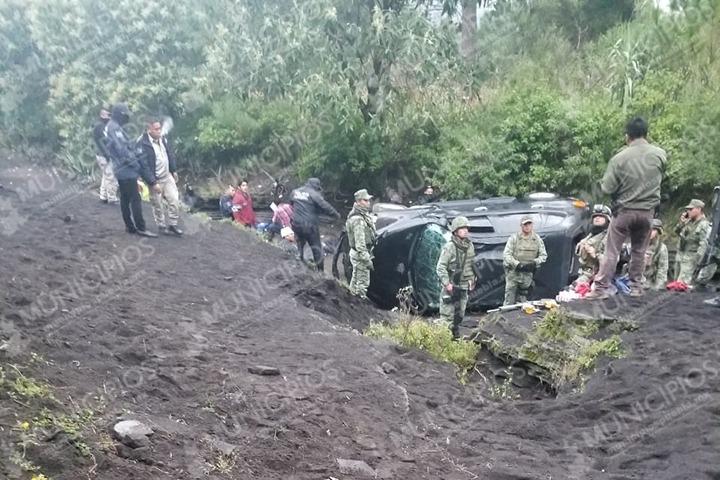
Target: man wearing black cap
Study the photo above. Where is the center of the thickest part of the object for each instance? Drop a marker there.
(308, 202)
(127, 167)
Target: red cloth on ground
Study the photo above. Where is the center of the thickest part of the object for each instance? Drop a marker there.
(243, 209)
(677, 286)
(582, 288)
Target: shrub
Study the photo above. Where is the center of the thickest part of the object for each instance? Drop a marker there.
(436, 339)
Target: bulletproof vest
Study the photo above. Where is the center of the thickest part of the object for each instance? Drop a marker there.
(527, 249)
(367, 225)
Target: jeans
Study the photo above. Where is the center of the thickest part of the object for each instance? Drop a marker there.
(635, 224)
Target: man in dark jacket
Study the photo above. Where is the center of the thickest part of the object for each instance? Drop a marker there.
(108, 184)
(127, 168)
(307, 203)
(158, 158)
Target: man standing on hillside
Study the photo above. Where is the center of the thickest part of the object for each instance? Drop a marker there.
(693, 231)
(524, 253)
(127, 168)
(108, 184)
(361, 235)
(632, 179)
(159, 160)
(457, 273)
(307, 203)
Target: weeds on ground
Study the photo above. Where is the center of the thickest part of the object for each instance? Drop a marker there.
(437, 340)
(223, 464)
(22, 386)
(564, 345)
(504, 390)
(45, 415)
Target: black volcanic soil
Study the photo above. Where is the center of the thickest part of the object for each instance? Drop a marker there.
(164, 331)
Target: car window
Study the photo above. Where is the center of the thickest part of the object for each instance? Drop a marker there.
(511, 222)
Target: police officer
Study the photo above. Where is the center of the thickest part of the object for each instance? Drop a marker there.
(524, 253)
(591, 249)
(127, 168)
(361, 235)
(656, 259)
(456, 271)
(308, 202)
(693, 231)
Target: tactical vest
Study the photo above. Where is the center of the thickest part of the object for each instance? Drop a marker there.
(527, 249)
(367, 225)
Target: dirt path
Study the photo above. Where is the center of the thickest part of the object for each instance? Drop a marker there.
(164, 331)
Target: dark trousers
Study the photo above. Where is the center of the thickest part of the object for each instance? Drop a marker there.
(309, 234)
(131, 205)
(635, 224)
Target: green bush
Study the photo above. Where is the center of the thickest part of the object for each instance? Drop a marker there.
(236, 129)
(436, 339)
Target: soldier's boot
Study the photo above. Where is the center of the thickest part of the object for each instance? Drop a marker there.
(455, 330)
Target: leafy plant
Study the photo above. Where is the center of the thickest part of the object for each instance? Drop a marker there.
(436, 339)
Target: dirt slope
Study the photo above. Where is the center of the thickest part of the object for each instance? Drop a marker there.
(164, 331)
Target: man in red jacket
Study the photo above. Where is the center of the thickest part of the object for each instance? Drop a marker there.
(242, 206)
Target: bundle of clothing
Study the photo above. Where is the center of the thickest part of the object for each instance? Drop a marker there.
(677, 286)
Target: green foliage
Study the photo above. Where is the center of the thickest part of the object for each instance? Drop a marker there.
(24, 82)
(375, 90)
(99, 53)
(567, 347)
(237, 129)
(433, 338)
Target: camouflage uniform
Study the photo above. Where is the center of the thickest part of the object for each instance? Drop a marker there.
(590, 265)
(361, 236)
(455, 266)
(693, 243)
(656, 265)
(521, 249)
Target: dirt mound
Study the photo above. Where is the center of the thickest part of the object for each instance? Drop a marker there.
(165, 331)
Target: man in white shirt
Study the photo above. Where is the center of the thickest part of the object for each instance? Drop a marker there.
(160, 163)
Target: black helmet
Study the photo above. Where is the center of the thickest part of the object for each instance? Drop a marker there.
(600, 210)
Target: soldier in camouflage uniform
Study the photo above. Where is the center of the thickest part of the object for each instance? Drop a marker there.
(361, 234)
(591, 249)
(524, 253)
(693, 231)
(656, 259)
(456, 271)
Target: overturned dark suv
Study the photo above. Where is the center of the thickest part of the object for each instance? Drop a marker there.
(410, 240)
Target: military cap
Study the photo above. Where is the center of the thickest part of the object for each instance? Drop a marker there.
(695, 203)
(362, 195)
(526, 219)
